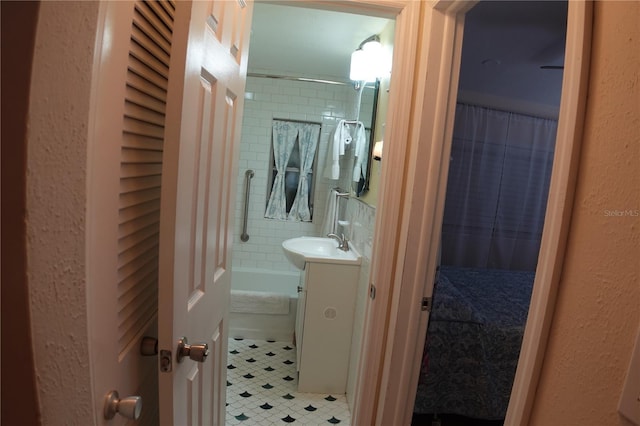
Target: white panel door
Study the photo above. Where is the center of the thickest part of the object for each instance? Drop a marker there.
(204, 108)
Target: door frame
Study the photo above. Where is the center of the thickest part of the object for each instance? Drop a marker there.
(395, 324)
(405, 260)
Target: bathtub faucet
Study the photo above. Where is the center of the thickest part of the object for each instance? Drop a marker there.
(343, 242)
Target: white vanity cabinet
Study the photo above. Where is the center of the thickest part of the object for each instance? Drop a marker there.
(324, 324)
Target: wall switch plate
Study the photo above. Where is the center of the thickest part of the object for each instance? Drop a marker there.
(629, 405)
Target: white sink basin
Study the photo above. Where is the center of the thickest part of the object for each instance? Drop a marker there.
(317, 249)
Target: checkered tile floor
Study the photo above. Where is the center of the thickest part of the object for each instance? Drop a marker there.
(261, 389)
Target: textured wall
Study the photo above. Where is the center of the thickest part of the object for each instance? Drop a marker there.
(597, 315)
(56, 198)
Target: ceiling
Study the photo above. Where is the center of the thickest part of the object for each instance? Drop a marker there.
(505, 44)
(304, 42)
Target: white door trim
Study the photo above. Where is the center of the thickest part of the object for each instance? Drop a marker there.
(409, 239)
(103, 164)
(435, 86)
(559, 207)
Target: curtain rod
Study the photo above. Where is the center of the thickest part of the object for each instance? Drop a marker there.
(287, 77)
(298, 121)
(309, 80)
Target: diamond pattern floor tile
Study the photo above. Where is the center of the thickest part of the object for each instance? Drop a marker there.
(262, 389)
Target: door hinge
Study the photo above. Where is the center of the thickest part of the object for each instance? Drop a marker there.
(426, 304)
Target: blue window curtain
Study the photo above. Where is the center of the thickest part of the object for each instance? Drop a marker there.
(284, 135)
(308, 141)
(497, 189)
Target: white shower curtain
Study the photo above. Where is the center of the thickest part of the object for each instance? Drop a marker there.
(308, 140)
(497, 189)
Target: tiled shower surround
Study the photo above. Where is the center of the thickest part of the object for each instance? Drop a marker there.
(269, 99)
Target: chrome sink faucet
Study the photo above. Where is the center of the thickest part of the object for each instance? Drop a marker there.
(343, 242)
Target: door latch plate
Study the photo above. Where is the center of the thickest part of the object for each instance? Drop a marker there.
(426, 304)
(166, 361)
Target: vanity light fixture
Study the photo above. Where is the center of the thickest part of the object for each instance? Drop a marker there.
(366, 60)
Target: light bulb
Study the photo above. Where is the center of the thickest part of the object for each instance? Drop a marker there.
(367, 62)
(358, 71)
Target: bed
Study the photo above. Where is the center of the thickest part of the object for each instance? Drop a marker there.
(473, 341)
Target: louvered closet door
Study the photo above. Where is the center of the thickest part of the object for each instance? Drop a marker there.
(124, 207)
(141, 168)
(204, 114)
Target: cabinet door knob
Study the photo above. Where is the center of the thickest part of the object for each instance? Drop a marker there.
(129, 407)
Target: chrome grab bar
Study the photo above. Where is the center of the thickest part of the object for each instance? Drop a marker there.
(248, 175)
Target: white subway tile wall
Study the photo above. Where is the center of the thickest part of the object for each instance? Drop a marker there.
(267, 99)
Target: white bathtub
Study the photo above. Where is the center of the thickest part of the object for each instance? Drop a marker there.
(265, 326)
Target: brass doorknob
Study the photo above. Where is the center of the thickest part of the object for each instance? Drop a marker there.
(197, 352)
(129, 407)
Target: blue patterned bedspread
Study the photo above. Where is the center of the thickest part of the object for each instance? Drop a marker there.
(473, 341)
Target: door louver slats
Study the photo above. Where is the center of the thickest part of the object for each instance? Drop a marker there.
(164, 10)
(138, 112)
(132, 185)
(139, 209)
(152, 62)
(146, 17)
(141, 169)
(147, 87)
(130, 140)
(141, 30)
(135, 254)
(143, 129)
(140, 223)
(130, 259)
(136, 155)
(139, 197)
(135, 282)
(141, 69)
(143, 100)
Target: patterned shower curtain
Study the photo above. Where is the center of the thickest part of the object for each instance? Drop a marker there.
(308, 139)
(285, 135)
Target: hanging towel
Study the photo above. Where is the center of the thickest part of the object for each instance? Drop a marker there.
(337, 144)
(331, 213)
(259, 302)
(361, 153)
